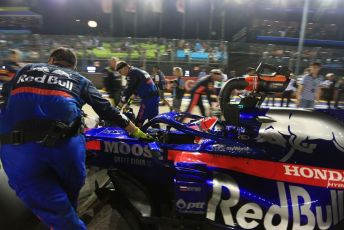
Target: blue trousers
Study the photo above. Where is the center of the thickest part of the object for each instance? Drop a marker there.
(149, 109)
(48, 180)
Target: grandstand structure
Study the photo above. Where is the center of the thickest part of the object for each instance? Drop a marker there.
(272, 35)
(192, 55)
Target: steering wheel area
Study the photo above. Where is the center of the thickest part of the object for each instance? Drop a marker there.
(174, 120)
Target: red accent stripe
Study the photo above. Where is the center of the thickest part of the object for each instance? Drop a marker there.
(200, 89)
(46, 92)
(293, 173)
(93, 145)
(252, 83)
(194, 102)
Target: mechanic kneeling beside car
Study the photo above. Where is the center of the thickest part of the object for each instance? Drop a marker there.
(42, 146)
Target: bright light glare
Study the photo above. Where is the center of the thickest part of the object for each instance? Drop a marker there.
(92, 24)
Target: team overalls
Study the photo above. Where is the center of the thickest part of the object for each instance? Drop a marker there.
(199, 89)
(48, 178)
(141, 83)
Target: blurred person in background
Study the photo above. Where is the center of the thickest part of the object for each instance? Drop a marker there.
(43, 148)
(328, 88)
(218, 84)
(270, 96)
(204, 86)
(288, 92)
(250, 72)
(7, 72)
(339, 87)
(309, 91)
(178, 89)
(202, 73)
(232, 74)
(113, 81)
(141, 84)
(160, 82)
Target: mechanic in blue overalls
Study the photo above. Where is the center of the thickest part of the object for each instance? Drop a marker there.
(42, 148)
(140, 83)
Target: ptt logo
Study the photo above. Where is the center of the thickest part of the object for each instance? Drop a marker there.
(182, 205)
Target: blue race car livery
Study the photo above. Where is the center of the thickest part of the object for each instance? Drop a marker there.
(260, 168)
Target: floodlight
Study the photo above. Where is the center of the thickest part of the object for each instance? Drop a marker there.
(92, 24)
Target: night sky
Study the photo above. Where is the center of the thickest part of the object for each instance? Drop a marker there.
(59, 18)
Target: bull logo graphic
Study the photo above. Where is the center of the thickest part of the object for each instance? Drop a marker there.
(299, 129)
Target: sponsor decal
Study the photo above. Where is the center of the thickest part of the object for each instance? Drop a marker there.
(189, 189)
(225, 148)
(123, 148)
(190, 207)
(295, 203)
(132, 154)
(124, 153)
(331, 178)
(46, 79)
(299, 174)
(132, 161)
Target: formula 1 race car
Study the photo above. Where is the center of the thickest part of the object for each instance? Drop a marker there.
(257, 168)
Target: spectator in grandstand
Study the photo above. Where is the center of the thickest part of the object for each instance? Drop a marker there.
(288, 92)
(328, 88)
(309, 90)
(160, 82)
(8, 71)
(204, 86)
(113, 81)
(140, 83)
(339, 87)
(178, 89)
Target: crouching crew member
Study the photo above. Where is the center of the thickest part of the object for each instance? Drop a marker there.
(43, 150)
(203, 87)
(140, 83)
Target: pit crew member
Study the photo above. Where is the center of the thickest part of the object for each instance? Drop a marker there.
(140, 83)
(160, 82)
(42, 148)
(204, 87)
(113, 81)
